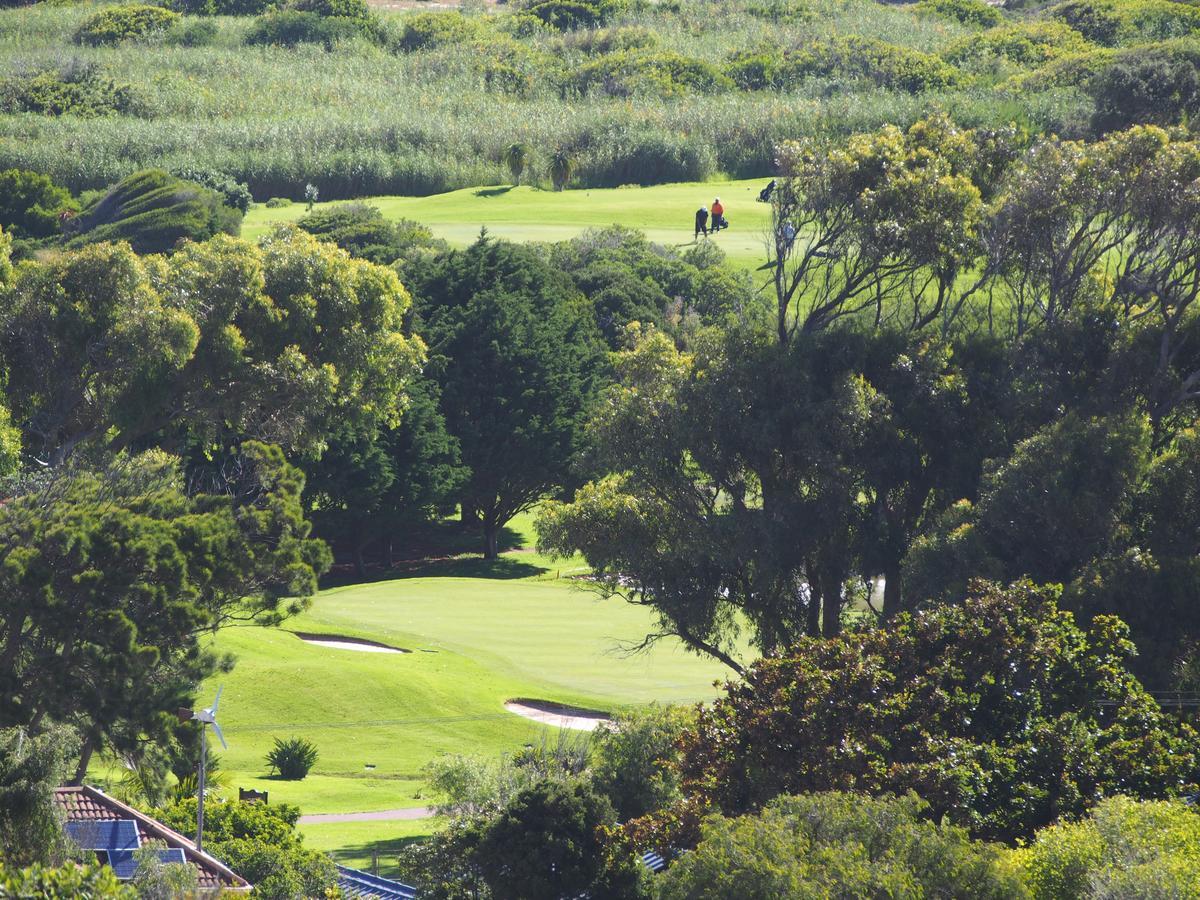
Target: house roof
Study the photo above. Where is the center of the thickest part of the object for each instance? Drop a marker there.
(355, 883)
(83, 803)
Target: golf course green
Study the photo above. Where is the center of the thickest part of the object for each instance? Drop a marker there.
(664, 213)
(479, 634)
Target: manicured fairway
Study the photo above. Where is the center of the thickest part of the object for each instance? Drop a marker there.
(479, 635)
(664, 213)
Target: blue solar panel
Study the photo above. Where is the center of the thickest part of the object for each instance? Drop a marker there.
(172, 855)
(125, 866)
(122, 863)
(653, 861)
(104, 834)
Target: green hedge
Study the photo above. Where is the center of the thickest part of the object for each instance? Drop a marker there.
(291, 27)
(887, 65)
(153, 211)
(79, 90)
(1025, 44)
(120, 23)
(660, 73)
(567, 15)
(965, 12)
(425, 31)
(30, 204)
(1111, 23)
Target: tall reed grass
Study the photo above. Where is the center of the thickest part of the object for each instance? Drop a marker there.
(363, 119)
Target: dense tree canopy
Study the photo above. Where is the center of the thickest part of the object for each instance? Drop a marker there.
(221, 341)
(31, 767)
(769, 484)
(1000, 712)
(518, 358)
(260, 842)
(30, 203)
(838, 845)
(109, 578)
(372, 485)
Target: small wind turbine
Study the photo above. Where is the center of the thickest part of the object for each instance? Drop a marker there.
(206, 716)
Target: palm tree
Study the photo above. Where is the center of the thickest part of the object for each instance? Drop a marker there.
(515, 157)
(562, 166)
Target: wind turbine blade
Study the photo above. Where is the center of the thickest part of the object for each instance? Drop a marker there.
(218, 699)
(221, 737)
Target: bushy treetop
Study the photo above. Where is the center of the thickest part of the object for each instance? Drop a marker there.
(1000, 711)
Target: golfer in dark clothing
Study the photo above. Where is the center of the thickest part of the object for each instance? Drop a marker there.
(702, 221)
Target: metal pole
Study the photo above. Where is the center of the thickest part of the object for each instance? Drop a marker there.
(200, 805)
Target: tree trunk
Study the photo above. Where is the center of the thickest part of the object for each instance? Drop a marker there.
(813, 623)
(892, 590)
(831, 609)
(360, 563)
(85, 757)
(491, 540)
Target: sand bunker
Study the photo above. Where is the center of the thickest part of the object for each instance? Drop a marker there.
(556, 714)
(340, 642)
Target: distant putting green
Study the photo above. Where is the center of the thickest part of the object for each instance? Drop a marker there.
(664, 212)
(480, 634)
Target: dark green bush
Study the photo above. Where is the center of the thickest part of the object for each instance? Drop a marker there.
(1110, 24)
(237, 195)
(114, 24)
(426, 30)
(1156, 85)
(80, 90)
(278, 203)
(548, 842)
(661, 73)
(965, 12)
(193, 34)
(153, 211)
(634, 761)
(31, 203)
(292, 758)
(288, 28)
(991, 707)
(567, 15)
(1097, 20)
(363, 232)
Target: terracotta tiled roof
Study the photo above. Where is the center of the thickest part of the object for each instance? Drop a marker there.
(86, 804)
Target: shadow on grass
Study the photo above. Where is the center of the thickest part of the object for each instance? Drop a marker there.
(441, 550)
(505, 568)
(494, 191)
(384, 852)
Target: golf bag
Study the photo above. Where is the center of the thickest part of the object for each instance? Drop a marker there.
(764, 196)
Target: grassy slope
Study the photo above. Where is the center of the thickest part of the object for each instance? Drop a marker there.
(664, 212)
(510, 629)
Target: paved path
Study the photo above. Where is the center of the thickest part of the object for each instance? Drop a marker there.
(382, 815)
